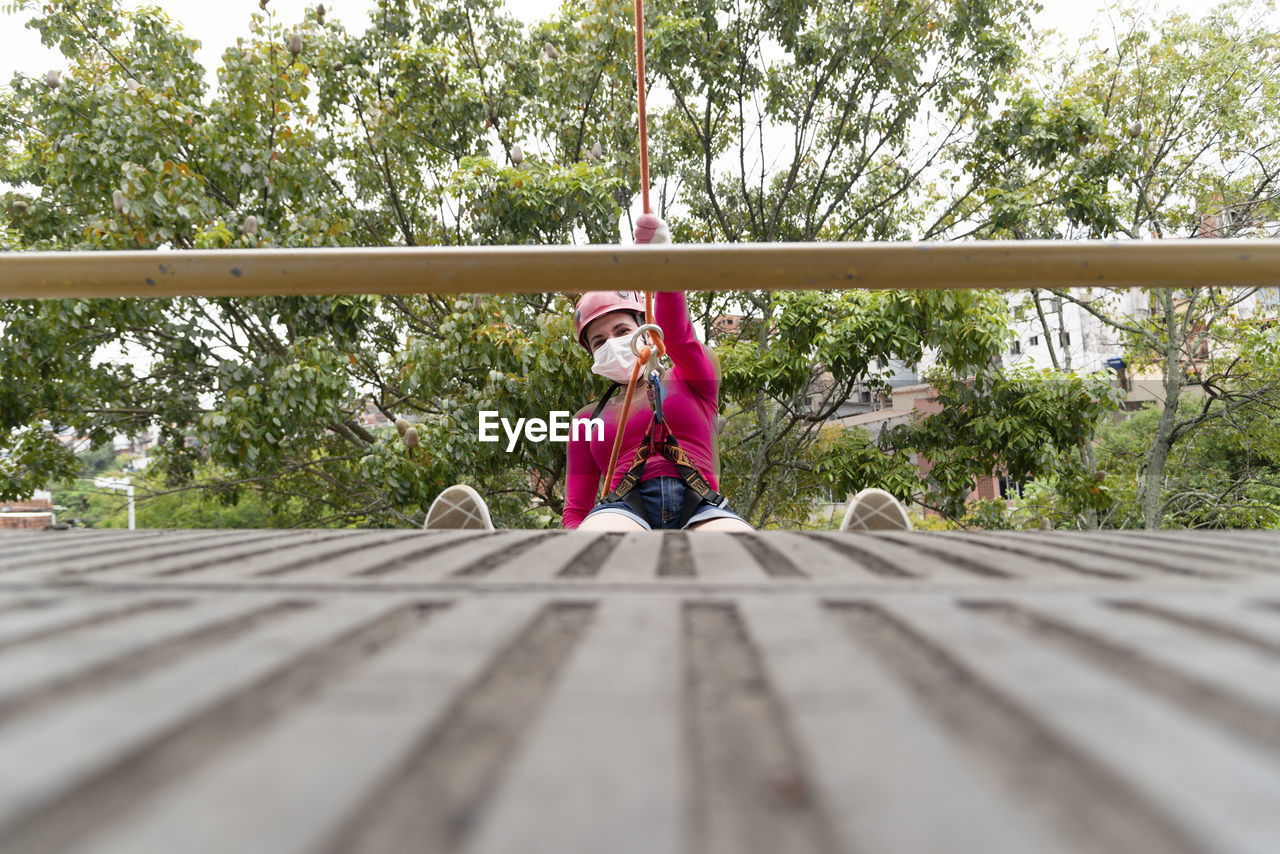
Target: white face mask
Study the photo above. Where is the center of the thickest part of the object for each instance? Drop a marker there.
(614, 359)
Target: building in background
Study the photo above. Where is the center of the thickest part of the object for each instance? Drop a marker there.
(34, 513)
(1084, 343)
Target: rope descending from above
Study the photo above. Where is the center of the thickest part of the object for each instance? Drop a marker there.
(640, 105)
(646, 228)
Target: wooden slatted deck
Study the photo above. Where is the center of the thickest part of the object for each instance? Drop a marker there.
(521, 691)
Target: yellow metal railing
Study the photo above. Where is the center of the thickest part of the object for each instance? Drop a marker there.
(700, 267)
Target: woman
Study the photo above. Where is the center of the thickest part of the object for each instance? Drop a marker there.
(604, 323)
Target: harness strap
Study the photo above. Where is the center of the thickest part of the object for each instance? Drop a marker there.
(658, 439)
(605, 399)
(697, 492)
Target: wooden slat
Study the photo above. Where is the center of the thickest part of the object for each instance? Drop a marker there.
(1245, 552)
(62, 614)
(392, 559)
(1248, 619)
(10, 537)
(817, 560)
(14, 543)
(912, 562)
(31, 667)
(885, 773)
(1218, 665)
(616, 706)
(292, 785)
(1035, 547)
(1185, 560)
(384, 691)
(1017, 566)
(635, 559)
(57, 546)
(43, 757)
(721, 556)
(478, 554)
(1220, 790)
(168, 549)
(1265, 539)
(546, 559)
(224, 554)
(281, 557)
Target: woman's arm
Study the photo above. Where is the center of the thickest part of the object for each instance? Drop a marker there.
(582, 480)
(688, 355)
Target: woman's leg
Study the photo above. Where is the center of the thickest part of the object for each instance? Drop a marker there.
(724, 523)
(610, 522)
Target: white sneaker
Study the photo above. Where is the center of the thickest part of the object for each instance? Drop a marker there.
(459, 506)
(875, 510)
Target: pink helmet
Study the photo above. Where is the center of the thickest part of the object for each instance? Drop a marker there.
(598, 304)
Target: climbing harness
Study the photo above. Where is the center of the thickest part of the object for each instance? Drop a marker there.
(657, 438)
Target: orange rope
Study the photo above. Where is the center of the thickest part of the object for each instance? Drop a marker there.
(607, 485)
(641, 361)
(644, 130)
(646, 350)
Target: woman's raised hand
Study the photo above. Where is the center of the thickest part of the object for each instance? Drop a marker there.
(651, 229)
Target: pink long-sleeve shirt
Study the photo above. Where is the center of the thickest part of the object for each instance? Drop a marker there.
(689, 407)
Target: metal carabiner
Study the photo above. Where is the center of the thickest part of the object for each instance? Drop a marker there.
(653, 351)
(655, 395)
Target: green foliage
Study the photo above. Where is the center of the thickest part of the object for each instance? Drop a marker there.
(512, 354)
(406, 133)
(95, 461)
(818, 348)
(1024, 424)
(847, 461)
(32, 457)
(1143, 131)
(836, 461)
(207, 503)
(339, 145)
(1156, 129)
(533, 202)
(1226, 474)
(871, 94)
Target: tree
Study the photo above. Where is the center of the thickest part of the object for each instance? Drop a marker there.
(770, 380)
(206, 503)
(452, 123)
(1178, 134)
(1224, 474)
(1022, 424)
(129, 151)
(882, 108)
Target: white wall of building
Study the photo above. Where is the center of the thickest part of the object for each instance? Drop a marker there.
(1088, 342)
(1081, 341)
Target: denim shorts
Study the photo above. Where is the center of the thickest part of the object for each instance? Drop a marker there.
(663, 498)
